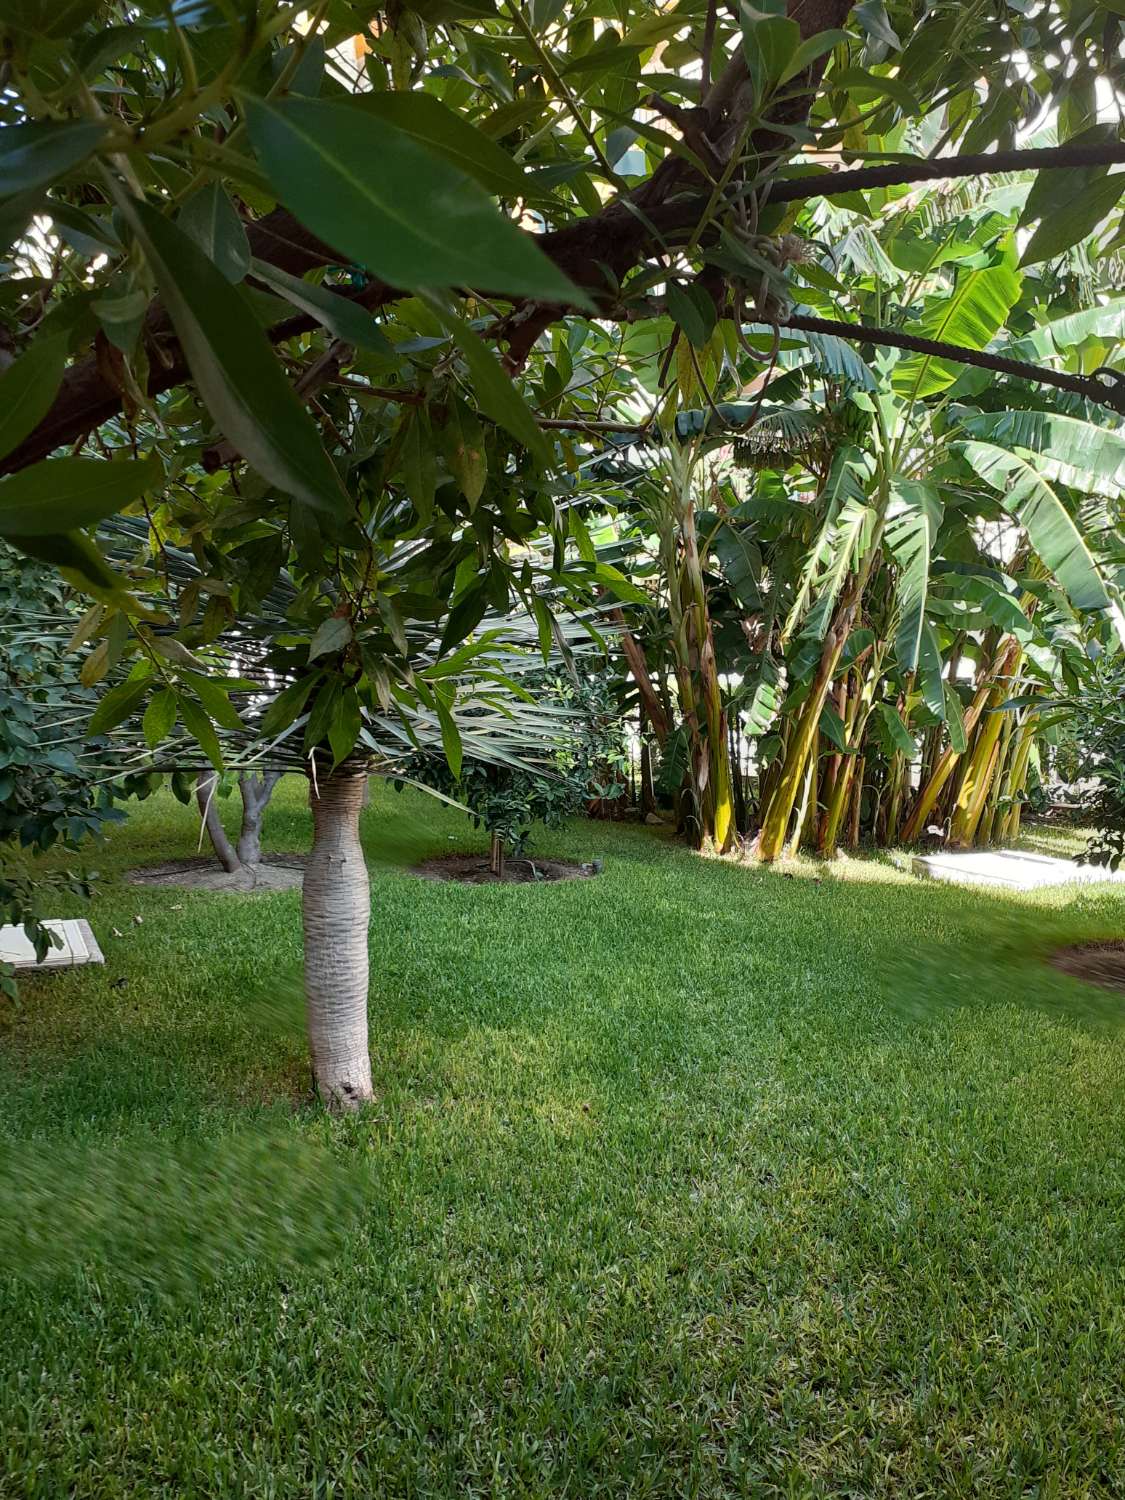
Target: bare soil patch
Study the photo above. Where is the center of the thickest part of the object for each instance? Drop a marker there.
(472, 869)
(1096, 963)
(277, 872)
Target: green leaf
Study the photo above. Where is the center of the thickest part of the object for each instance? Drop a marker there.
(495, 392)
(80, 562)
(929, 670)
(400, 211)
(955, 719)
(464, 617)
(345, 724)
(287, 706)
(35, 154)
(1060, 335)
(810, 50)
(419, 469)
(463, 444)
(332, 635)
(343, 318)
(200, 727)
(970, 315)
(872, 16)
(160, 715)
(118, 704)
(62, 493)
(1026, 495)
(832, 727)
(1079, 216)
(912, 527)
(897, 731)
(1084, 450)
(436, 126)
(617, 583)
(770, 41)
(214, 699)
(686, 306)
(543, 625)
(16, 213)
(450, 735)
(27, 388)
(212, 221)
(234, 367)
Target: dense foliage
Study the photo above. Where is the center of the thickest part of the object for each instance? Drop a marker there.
(507, 801)
(403, 324)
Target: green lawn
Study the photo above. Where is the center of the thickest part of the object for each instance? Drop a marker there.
(689, 1180)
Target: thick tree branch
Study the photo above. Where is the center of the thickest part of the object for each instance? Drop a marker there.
(1106, 387)
(596, 252)
(832, 184)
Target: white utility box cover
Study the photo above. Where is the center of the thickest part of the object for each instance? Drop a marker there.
(79, 946)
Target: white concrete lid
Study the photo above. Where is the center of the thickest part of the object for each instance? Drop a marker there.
(79, 946)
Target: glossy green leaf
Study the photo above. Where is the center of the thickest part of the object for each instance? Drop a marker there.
(897, 732)
(955, 719)
(450, 735)
(912, 527)
(199, 726)
(214, 698)
(332, 635)
(1050, 529)
(969, 315)
(60, 494)
(27, 388)
(400, 211)
(80, 562)
(235, 369)
(118, 704)
(212, 221)
(436, 126)
(345, 724)
(1073, 220)
(160, 716)
(929, 671)
(1085, 451)
(344, 319)
(288, 704)
(34, 154)
(16, 213)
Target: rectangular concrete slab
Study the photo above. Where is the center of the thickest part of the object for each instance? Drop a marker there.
(79, 946)
(1012, 868)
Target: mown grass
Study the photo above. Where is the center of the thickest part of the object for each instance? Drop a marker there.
(689, 1180)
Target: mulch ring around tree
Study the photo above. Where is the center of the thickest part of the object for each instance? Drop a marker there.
(473, 869)
(1097, 963)
(277, 872)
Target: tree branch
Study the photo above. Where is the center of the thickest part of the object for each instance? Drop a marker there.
(832, 184)
(1109, 391)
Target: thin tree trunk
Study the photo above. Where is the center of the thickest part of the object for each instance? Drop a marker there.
(336, 905)
(496, 856)
(634, 654)
(256, 793)
(206, 795)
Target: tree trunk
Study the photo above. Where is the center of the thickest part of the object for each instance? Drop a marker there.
(496, 856)
(336, 905)
(256, 793)
(206, 795)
